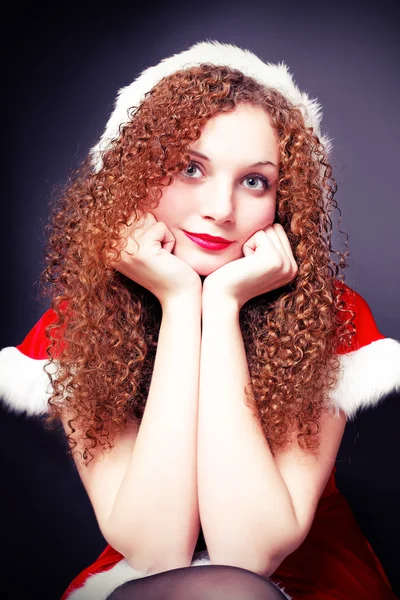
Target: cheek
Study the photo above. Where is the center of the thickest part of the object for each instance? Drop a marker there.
(171, 207)
(159, 213)
(259, 218)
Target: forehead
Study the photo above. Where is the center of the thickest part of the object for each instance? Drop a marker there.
(244, 131)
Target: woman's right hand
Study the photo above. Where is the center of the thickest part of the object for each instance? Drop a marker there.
(147, 259)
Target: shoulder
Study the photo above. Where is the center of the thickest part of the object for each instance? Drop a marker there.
(370, 364)
(24, 382)
(365, 327)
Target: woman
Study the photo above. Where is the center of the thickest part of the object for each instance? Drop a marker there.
(203, 346)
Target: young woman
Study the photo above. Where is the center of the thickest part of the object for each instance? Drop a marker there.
(203, 350)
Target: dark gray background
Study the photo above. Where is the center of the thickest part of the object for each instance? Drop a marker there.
(62, 69)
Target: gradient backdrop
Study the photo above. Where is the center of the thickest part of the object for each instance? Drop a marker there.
(62, 69)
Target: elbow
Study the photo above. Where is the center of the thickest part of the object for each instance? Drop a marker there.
(149, 558)
(259, 562)
(262, 561)
(149, 550)
(278, 555)
(262, 552)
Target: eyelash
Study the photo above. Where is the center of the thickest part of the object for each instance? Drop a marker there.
(261, 178)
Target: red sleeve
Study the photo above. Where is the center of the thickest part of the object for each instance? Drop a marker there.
(366, 330)
(36, 342)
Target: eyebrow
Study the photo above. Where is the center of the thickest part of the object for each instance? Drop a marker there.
(257, 164)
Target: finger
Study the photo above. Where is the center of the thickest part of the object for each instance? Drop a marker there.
(166, 239)
(255, 241)
(281, 233)
(143, 224)
(135, 231)
(158, 236)
(271, 233)
(277, 234)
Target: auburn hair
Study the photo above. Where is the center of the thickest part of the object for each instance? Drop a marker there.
(110, 324)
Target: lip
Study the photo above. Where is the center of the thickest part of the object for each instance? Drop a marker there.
(207, 241)
(209, 238)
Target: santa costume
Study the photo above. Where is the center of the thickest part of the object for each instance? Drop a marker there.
(333, 562)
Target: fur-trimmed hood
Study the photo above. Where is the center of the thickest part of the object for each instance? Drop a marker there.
(276, 76)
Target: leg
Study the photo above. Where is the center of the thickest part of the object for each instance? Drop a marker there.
(208, 582)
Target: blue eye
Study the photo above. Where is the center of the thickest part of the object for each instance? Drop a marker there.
(265, 185)
(191, 170)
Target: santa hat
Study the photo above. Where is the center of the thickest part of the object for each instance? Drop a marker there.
(370, 367)
(275, 76)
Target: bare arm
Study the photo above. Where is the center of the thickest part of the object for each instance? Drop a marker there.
(144, 491)
(154, 521)
(246, 510)
(255, 508)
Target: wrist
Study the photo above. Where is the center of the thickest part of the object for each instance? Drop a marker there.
(218, 302)
(183, 303)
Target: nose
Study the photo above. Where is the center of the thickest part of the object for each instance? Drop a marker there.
(217, 203)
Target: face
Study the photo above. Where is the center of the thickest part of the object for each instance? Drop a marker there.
(228, 190)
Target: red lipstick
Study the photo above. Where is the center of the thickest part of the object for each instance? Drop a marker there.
(209, 242)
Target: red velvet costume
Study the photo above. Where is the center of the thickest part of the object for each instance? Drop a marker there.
(335, 561)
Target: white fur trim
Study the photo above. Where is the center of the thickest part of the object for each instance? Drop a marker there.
(212, 52)
(100, 585)
(367, 375)
(24, 385)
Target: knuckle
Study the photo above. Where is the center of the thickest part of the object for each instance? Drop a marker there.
(133, 246)
(278, 262)
(286, 266)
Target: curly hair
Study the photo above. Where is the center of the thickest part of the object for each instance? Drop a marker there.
(110, 324)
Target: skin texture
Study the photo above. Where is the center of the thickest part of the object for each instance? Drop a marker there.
(146, 338)
(147, 259)
(290, 336)
(162, 259)
(222, 196)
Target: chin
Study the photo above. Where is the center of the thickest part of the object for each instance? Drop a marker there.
(203, 265)
(203, 269)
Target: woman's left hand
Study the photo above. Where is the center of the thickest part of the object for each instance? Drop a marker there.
(267, 264)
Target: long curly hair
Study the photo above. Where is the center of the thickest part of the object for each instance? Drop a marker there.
(109, 324)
